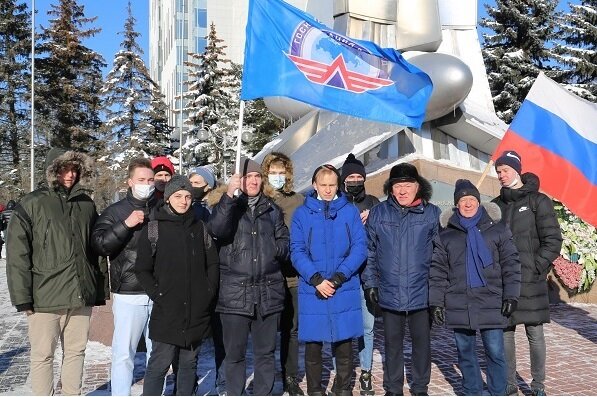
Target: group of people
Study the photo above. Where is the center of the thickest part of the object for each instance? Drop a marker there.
(190, 260)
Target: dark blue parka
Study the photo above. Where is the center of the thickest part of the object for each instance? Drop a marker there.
(252, 245)
(328, 237)
(474, 308)
(399, 252)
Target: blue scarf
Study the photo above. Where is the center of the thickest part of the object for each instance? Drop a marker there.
(478, 255)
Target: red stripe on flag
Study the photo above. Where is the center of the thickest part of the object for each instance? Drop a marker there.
(558, 177)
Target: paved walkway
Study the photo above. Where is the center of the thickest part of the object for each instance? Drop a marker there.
(571, 361)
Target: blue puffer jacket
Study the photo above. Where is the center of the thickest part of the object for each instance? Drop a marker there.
(325, 238)
(400, 246)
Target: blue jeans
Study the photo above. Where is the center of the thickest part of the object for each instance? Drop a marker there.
(366, 341)
(493, 343)
(130, 323)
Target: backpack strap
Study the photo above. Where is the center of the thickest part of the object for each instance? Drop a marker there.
(152, 235)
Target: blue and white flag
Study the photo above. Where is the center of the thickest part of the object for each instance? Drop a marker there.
(288, 53)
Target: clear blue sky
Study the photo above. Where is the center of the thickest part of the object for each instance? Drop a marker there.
(111, 15)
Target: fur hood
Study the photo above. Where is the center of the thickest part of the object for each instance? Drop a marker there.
(425, 189)
(492, 209)
(214, 196)
(58, 158)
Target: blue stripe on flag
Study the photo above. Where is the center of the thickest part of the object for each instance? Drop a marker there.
(545, 129)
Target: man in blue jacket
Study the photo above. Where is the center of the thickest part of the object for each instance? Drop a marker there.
(400, 233)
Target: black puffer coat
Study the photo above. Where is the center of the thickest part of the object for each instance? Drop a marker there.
(113, 238)
(538, 238)
(252, 246)
(473, 308)
(181, 279)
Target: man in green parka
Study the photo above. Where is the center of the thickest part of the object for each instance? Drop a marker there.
(53, 276)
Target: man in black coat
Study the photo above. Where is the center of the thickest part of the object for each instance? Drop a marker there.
(115, 235)
(179, 271)
(352, 182)
(474, 284)
(253, 241)
(538, 238)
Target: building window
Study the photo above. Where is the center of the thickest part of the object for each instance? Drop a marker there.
(440, 145)
(201, 17)
(200, 44)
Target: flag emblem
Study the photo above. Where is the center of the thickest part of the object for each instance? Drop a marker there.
(323, 62)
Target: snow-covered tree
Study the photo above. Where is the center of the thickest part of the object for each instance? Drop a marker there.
(212, 106)
(158, 129)
(136, 122)
(517, 51)
(69, 78)
(15, 47)
(577, 47)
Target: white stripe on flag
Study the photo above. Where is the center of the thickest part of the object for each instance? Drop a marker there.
(578, 113)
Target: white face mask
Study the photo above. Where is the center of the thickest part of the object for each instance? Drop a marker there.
(513, 183)
(277, 181)
(143, 192)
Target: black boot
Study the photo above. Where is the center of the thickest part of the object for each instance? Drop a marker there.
(292, 387)
(366, 384)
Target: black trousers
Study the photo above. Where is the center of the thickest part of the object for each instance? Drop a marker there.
(236, 329)
(289, 345)
(219, 351)
(419, 326)
(162, 356)
(313, 365)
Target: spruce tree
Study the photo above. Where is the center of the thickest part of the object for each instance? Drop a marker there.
(69, 77)
(129, 94)
(577, 47)
(517, 52)
(212, 106)
(15, 48)
(158, 128)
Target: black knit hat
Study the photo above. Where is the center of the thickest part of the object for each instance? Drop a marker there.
(352, 166)
(512, 159)
(403, 172)
(176, 183)
(464, 187)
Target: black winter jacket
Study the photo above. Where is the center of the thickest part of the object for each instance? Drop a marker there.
(181, 279)
(538, 238)
(113, 238)
(252, 246)
(473, 308)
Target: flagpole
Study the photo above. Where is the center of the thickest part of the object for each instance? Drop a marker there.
(240, 132)
(180, 86)
(32, 149)
(484, 174)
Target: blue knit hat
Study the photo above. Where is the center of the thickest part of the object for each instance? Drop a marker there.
(204, 172)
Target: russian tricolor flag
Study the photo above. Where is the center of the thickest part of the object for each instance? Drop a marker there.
(555, 132)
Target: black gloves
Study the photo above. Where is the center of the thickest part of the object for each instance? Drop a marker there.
(372, 296)
(338, 279)
(316, 279)
(438, 315)
(508, 307)
(371, 301)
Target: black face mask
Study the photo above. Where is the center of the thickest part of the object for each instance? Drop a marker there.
(199, 193)
(355, 187)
